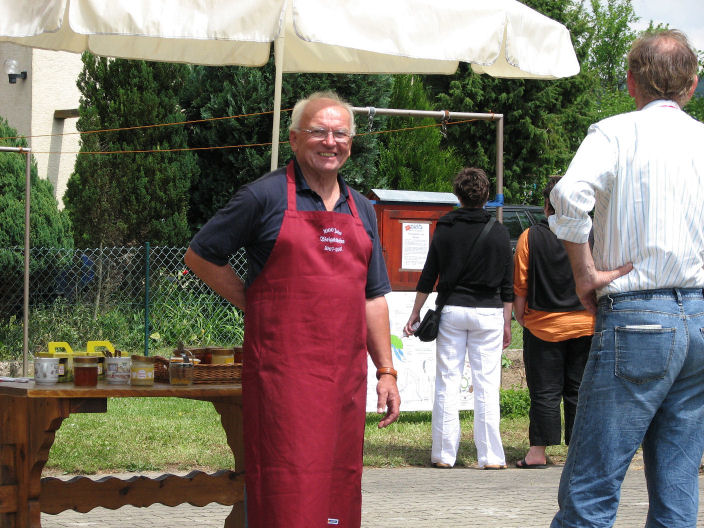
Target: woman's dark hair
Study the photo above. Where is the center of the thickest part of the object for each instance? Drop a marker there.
(552, 181)
(471, 186)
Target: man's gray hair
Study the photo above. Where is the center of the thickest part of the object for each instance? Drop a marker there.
(300, 107)
(663, 65)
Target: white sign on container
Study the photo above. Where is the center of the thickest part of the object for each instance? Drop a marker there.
(415, 241)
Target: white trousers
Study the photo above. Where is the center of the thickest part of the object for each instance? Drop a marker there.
(476, 333)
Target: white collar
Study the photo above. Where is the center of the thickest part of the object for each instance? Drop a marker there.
(661, 103)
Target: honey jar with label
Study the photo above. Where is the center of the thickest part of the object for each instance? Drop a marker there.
(221, 355)
(142, 370)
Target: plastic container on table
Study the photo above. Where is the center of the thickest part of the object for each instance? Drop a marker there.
(46, 369)
(117, 370)
(63, 351)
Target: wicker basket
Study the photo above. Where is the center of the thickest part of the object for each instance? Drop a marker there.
(230, 373)
(161, 369)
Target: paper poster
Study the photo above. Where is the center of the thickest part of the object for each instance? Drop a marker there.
(415, 241)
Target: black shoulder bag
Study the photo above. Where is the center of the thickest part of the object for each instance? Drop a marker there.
(428, 329)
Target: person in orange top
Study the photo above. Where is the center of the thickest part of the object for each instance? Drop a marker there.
(557, 334)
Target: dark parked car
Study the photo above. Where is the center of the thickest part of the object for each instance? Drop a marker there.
(518, 218)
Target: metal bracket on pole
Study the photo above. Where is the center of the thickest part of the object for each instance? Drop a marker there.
(372, 113)
(443, 123)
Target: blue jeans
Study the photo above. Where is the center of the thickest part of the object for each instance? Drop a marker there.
(643, 385)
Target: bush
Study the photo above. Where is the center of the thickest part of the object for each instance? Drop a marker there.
(48, 226)
(76, 325)
(514, 402)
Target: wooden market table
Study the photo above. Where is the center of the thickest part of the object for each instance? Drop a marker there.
(31, 414)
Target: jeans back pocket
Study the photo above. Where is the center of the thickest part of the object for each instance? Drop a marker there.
(643, 354)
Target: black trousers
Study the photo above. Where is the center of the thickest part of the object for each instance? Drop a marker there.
(553, 373)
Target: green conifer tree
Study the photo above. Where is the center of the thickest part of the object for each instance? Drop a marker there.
(130, 197)
(49, 227)
(217, 92)
(415, 159)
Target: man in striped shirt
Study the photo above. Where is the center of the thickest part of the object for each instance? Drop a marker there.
(643, 175)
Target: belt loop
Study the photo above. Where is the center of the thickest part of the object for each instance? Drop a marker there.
(611, 301)
(678, 295)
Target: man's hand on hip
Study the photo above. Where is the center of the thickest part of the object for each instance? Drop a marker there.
(587, 278)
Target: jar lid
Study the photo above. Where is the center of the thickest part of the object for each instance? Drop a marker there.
(181, 364)
(176, 359)
(143, 359)
(85, 360)
(221, 351)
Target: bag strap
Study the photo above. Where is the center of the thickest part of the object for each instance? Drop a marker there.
(477, 243)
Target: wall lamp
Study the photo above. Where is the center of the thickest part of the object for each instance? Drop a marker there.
(13, 71)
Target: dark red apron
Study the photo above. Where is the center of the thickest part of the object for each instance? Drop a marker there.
(304, 373)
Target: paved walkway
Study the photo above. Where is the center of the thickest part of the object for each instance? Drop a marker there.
(411, 498)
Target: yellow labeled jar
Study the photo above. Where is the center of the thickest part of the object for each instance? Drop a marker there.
(221, 355)
(142, 370)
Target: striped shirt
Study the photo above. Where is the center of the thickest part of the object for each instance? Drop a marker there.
(643, 174)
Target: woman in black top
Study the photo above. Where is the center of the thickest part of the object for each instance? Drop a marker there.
(475, 322)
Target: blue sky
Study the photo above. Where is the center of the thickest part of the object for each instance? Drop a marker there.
(685, 15)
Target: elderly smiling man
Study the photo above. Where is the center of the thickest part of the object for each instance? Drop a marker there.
(314, 304)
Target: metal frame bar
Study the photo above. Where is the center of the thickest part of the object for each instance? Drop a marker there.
(447, 115)
(27, 194)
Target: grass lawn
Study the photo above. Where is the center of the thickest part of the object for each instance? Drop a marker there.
(171, 434)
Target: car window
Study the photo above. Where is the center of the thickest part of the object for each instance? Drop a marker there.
(513, 223)
(525, 220)
(537, 216)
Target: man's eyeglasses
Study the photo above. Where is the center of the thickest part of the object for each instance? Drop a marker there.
(341, 136)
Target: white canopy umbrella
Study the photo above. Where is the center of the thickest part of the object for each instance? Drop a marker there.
(502, 38)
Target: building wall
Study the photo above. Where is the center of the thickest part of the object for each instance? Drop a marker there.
(16, 99)
(55, 141)
(30, 106)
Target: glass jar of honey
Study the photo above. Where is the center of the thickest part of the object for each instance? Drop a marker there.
(85, 371)
(180, 371)
(142, 370)
(221, 355)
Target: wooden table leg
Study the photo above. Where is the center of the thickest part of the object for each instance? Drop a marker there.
(27, 429)
(231, 416)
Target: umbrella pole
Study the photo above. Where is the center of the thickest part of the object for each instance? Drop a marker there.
(275, 132)
(25, 320)
(500, 167)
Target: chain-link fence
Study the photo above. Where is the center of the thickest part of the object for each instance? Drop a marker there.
(135, 297)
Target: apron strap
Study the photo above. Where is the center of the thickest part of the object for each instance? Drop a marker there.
(291, 186)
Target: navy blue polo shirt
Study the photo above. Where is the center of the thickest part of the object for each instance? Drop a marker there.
(253, 217)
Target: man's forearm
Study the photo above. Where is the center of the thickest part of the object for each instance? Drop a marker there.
(378, 332)
(581, 261)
